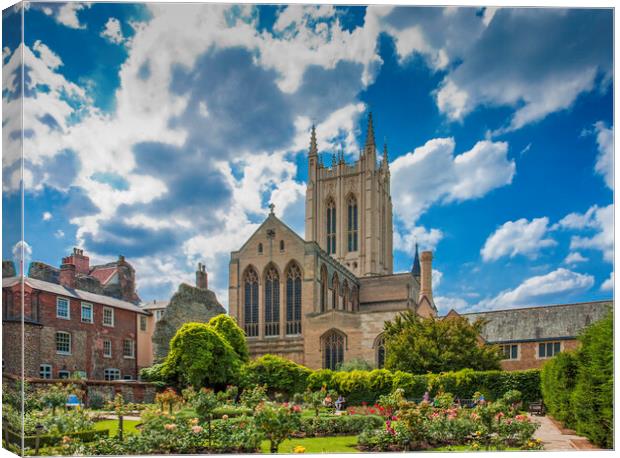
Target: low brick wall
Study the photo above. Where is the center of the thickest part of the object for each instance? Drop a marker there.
(138, 392)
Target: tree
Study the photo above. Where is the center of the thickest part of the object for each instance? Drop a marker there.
(227, 327)
(279, 375)
(200, 356)
(421, 345)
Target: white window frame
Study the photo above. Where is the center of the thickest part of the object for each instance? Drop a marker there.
(45, 369)
(111, 370)
(142, 319)
(510, 358)
(546, 343)
(60, 352)
(111, 309)
(68, 317)
(132, 347)
(87, 305)
(107, 355)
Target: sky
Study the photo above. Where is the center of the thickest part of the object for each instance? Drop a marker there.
(163, 131)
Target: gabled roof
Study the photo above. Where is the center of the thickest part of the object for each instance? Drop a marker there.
(155, 305)
(74, 293)
(270, 218)
(538, 323)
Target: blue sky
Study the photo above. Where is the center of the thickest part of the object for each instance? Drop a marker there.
(163, 131)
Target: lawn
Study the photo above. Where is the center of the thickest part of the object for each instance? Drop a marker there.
(335, 444)
(129, 426)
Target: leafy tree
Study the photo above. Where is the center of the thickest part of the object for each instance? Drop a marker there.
(421, 345)
(594, 388)
(277, 374)
(228, 328)
(200, 356)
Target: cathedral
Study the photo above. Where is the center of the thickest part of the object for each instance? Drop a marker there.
(323, 300)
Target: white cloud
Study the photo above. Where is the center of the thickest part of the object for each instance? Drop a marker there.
(536, 289)
(406, 239)
(21, 251)
(608, 285)
(436, 277)
(47, 56)
(600, 221)
(521, 237)
(59, 234)
(112, 31)
(605, 159)
(574, 258)
(47, 216)
(446, 303)
(68, 14)
(433, 174)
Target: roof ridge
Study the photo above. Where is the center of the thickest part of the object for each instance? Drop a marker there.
(541, 307)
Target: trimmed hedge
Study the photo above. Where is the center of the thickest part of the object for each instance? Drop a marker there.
(46, 440)
(232, 411)
(578, 386)
(334, 425)
(367, 386)
(558, 379)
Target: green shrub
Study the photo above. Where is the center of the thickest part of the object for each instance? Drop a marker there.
(333, 425)
(355, 364)
(228, 328)
(232, 411)
(278, 374)
(594, 392)
(319, 379)
(558, 379)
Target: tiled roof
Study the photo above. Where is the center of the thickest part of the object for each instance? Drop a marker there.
(536, 323)
(103, 274)
(154, 305)
(75, 293)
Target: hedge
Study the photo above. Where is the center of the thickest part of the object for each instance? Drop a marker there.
(367, 386)
(280, 375)
(338, 424)
(558, 379)
(46, 440)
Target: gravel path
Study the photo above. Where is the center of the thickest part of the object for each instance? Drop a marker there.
(554, 438)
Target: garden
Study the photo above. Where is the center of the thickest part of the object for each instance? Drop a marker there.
(213, 399)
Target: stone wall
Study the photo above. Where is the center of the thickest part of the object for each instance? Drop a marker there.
(189, 304)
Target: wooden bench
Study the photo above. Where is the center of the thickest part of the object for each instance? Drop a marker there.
(537, 408)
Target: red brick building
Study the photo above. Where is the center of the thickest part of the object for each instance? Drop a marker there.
(68, 330)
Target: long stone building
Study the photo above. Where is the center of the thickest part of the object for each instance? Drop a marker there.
(324, 299)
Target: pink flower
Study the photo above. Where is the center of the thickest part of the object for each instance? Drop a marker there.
(499, 416)
(197, 429)
(474, 416)
(170, 427)
(521, 418)
(296, 408)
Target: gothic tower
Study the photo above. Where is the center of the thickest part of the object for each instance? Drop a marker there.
(349, 207)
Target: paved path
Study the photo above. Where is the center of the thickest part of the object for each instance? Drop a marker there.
(553, 438)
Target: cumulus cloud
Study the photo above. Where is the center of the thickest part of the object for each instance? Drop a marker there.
(608, 284)
(536, 289)
(521, 237)
(597, 230)
(112, 31)
(46, 216)
(605, 160)
(574, 258)
(536, 61)
(67, 14)
(406, 238)
(446, 303)
(433, 174)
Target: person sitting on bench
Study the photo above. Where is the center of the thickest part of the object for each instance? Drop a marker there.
(340, 403)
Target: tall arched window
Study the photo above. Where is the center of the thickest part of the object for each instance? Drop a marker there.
(272, 302)
(250, 302)
(323, 288)
(346, 295)
(293, 299)
(333, 349)
(331, 226)
(380, 351)
(352, 223)
(335, 290)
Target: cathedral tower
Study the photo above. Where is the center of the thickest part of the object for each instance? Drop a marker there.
(349, 207)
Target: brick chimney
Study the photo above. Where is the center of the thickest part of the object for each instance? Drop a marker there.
(81, 262)
(67, 273)
(426, 275)
(201, 277)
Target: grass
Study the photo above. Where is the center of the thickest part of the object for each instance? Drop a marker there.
(129, 426)
(334, 444)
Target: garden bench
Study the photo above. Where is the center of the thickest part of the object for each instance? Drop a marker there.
(537, 408)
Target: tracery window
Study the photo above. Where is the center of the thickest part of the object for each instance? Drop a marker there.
(323, 288)
(250, 301)
(335, 290)
(345, 295)
(331, 227)
(333, 350)
(380, 352)
(293, 300)
(352, 224)
(272, 302)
